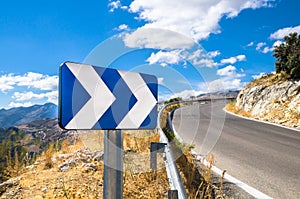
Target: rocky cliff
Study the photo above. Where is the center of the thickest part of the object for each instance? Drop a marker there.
(277, 102)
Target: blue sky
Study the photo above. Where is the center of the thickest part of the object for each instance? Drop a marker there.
(192, 46)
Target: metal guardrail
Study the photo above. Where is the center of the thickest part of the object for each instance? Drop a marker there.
(170, 162)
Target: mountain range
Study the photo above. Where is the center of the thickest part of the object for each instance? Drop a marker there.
(23, 115)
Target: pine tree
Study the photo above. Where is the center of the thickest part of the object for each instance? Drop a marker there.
(287, 56)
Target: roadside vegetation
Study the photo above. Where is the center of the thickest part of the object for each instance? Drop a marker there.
(287, 64)
(287, 56)
(73, 170)
(287, 67)
(234, 109)
(197, 178)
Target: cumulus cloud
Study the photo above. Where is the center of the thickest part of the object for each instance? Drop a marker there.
(226, 84)
(198, 57)
(277, 43)
(230, 79)
(195, 19)
(30, 80)
(213, 54)
(163, 58)
(39, 81)
(260, 45)
(263, 48)
(122, 27)
(259, 75)
(38, 87)
(7, 82)
(157, 39)
(250, 44)
(185, 94)
(14, 104)
(114, 5)
(51, 96)
(278, 36)
(201, 58)
(229, 71)
(233, 60)
(281, 33)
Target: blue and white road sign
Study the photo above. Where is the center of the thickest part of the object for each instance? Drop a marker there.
(93, 97)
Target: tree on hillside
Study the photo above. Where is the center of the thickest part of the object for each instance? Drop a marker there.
(287, 56)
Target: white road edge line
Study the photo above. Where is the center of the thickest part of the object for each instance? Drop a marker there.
(256, 120)
(251, 190)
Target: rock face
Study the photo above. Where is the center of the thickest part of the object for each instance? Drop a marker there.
(278, 103)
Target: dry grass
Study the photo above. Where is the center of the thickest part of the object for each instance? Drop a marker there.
(231, 107)
(268, 80)
(45, 181)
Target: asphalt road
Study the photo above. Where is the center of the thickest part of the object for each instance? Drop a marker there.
(264, 156)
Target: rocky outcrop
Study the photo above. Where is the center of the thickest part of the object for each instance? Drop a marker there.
(278, 103)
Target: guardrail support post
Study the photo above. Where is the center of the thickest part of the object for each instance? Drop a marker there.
(155, 147)
(172, 194)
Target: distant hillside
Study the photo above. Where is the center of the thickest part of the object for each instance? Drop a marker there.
(28, 141)
(23, 115)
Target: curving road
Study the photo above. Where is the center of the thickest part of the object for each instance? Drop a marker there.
(264, 156)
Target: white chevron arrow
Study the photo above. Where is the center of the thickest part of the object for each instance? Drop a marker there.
(145, 101)
(91, 112)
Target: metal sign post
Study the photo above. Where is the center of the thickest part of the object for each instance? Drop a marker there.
(113, 165)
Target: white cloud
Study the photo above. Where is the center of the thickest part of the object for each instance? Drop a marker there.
(160, 80)
(277, 43)
(226, 84)
(51, 96)
(200, 58)
(281, 33)
(233, 60)
(260, 45)
(7, 82)
(267, 49)
(114, 5)
(157, 39)
(227, 71)
(164, 58)
(27, 96)
(123, 27)
(185, 94)
(259, 75)
(250, 44)
(36, 80)
(241, 57)
(30, 80)
(213, 54)
(38, 87)
(263, 48)
(206, 62)
(230, 79)
(195, 19)
(14, 104)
